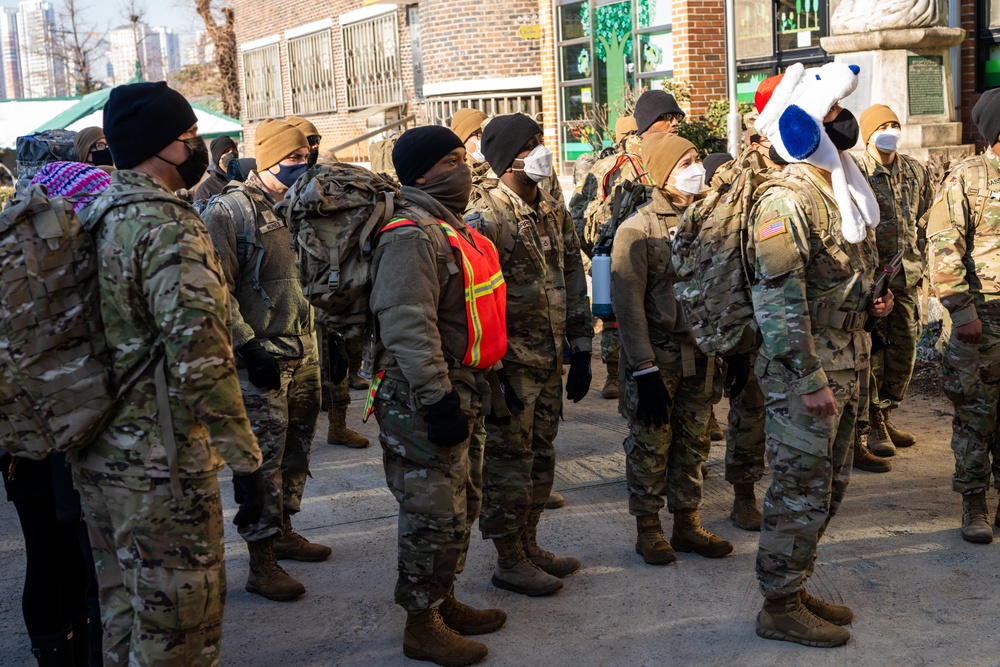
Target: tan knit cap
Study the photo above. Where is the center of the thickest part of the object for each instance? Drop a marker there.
(873, 117)
(85, 140)
(660, 154)
(623, 126)
(274, 141)
(467, 122)
(305, 126)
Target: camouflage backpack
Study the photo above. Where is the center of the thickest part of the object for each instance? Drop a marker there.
(335, 213)
(380, 156)
(599, 211)
(56, 390)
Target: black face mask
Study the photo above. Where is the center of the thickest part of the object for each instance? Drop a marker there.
(843, 130)
(101, 157)
(452, 189)
(313, 157)
(775, 157)
(194, 165)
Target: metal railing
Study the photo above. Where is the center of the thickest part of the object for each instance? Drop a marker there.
(402, 122)
(262, 83)
(441, 109)
(310, 73)
(371, 62)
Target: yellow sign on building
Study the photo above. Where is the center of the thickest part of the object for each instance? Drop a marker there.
(530, 32)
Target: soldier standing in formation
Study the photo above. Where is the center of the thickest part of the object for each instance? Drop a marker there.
(904, 193)
(149, 483)
(963, 221)
(547, 308)
(666, 394)
(467, 124)
(428, 393)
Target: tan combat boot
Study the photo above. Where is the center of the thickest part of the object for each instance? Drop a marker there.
(339, 434)
(787, 619)
(355, 381)
(899, 438)
(975, 524)
(467, 620)
(610, 389)
(837, 614)
(293, 546)
(689, 536)
(714, 430)
(557, 566)
(555, 501)
(266, 577)
(426, 637)
(865, 460)
(745, 513)
(516, 573)
(650, 542)
(879, 442)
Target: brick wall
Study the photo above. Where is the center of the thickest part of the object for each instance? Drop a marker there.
(547, 64)
(969, 97)
(699, 29)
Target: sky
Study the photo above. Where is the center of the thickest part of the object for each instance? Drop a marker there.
(106, 15)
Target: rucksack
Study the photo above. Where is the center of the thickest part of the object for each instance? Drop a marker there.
(712, 262)
(600, 210)
(335, 213)
(56, 391)
(380, 156)
(34, 151)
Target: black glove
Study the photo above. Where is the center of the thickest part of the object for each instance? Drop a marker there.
(447, 423)
(737, 373)
(578, 380)
(250, 490)
(653, 399)
(515, 405)
(262, 367)
(337, 362)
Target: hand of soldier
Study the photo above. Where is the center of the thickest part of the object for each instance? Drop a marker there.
(262, 367)
(447, 423)
(250, 491)
(820, 403)
(737, 374)
(578, 380)
(337, 362)
(882, 306)
(971, 332)
(652, 407)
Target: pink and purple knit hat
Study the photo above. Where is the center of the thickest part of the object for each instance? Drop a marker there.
(71, 179)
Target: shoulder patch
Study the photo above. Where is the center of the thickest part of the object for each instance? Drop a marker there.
(772, 229)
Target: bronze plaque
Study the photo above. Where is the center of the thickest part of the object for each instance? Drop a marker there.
(925, 82)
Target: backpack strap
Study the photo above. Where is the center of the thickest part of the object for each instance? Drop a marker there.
(978, 172)
(508, 235)
(243, 210)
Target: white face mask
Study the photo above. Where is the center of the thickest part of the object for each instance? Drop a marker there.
(477, 154)
(691, 181)
(537, 163)
(887, 141)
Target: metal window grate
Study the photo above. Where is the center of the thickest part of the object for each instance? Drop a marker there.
(441, 109)
(371, 62)
(310, 69)
(262, 83)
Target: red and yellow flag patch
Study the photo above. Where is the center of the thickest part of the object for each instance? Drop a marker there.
(772, 229)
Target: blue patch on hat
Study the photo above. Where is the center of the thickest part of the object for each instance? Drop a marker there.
(800, 133)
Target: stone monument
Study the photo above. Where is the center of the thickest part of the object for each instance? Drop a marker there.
(902, 48)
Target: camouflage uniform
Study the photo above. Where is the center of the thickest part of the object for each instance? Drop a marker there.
(438, 488)
(904, 193)
(338, 394)
(809, 298)
(483, 177)
(268, 306)
(546, 305)
(962, 225)
(159, 554)
(666, 460)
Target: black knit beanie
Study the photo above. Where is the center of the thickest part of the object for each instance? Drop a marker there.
(504, 137)
(712, 164)
(986, 115)
(219, 146)
(651, 105)
(419, 149)
(141, 119)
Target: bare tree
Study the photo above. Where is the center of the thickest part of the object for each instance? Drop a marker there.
(135, 12)
(78, 46)
(219, 21)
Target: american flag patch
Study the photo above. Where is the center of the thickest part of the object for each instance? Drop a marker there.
(772, 229)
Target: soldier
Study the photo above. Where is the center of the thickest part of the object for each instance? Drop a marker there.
(546, 306)
(467, 124)
(427, 392)
(275, 349)
(483, 175)
(810, 295)
(223, 150)
(665, 397)
(313, 136)
(149, 483)
(904, 194)
(962, 225)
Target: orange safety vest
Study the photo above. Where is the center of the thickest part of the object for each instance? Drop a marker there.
(485, 294)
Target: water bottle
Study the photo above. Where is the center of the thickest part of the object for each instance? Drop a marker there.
(600, 275)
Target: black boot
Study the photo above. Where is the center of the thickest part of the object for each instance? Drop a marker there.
(55, 650)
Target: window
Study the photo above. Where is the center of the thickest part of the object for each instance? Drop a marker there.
(773, 35)
(371, 62)
(310, 71)
(988, 45)
(262, 82)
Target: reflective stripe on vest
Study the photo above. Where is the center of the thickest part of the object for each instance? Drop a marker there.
(485, 294)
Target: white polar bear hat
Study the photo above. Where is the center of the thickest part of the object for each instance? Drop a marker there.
(793, 121)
